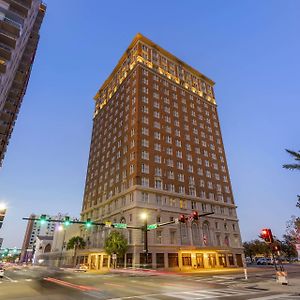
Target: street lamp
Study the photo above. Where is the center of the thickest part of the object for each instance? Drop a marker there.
(61, 228)
(3, 206)
(144, 217)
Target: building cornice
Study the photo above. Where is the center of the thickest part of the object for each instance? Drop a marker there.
(130, 58)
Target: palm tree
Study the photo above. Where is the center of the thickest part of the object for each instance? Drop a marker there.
(296, 156)
(295, 166)
(76, 242)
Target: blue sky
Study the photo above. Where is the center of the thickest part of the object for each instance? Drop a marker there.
(249, 48)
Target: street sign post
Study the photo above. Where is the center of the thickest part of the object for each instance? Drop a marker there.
(152, 226)
(120, 225)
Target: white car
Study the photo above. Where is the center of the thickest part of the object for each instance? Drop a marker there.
(1, 272)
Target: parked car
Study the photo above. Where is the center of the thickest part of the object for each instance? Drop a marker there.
(248, 260)
(81, 268)
(262, 261)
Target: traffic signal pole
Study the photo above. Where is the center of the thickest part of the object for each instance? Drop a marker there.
(146, 241)
(145, 228)
(281, 274)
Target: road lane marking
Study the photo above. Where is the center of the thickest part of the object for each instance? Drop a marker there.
(114, 284)
(11, 280)
(272, 297)
(83, 288)
(28, 279)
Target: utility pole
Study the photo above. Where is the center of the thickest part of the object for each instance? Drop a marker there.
(62, 246)
(146, 240)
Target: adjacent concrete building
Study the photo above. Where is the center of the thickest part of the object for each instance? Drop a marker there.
(33, 230)
(20, 22)
(157, 148)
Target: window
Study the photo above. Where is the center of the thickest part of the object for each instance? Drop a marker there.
(178, 143)
(156, 114)
(158, 184)
(145, 155)
(181, 189)
(181, 177)
(170, 175)
(172, 236)
(179, 165)
(145, 197)
(179, 154)
(145, 120)
(157, 147)
(169, 139)
(169, 151)
(145, 99)
(182, 204)
(131, 169)
(157, 135)
(145, 168)
(145, 181)
(158, 199)
(186, 259)
(145, 143)
(145, 131)
(193, 205)
(158, 172)
(157, 159)
(158, 236)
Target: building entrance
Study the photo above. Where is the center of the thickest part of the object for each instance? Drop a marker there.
(199, 260)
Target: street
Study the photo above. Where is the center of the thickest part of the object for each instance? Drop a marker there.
(41, 283)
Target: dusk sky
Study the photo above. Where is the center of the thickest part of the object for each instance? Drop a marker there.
(251, 49)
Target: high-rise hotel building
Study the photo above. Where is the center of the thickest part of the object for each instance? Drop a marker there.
(157, 148)
(20, 21)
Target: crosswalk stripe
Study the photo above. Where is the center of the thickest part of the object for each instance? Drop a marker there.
(282, 296)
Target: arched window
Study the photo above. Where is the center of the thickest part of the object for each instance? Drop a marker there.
(226, 240)
(195, 233)
(206, 234)
(47, 248)
(123, 220)
(184, 234)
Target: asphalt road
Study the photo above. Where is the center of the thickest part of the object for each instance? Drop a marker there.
(44, 284)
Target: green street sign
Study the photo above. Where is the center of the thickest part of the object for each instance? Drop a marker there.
(120, 225)
(152, 226)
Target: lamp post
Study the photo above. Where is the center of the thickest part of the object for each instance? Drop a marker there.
(60, 228)
(144, 217)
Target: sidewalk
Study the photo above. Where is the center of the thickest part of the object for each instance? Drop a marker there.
(236, 271)
(293, 286)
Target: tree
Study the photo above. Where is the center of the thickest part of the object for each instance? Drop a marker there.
(296, 156)
(288, 246)
(76, 242)
(293, 229)
(256, 247)
(116, 243)
(295, 166)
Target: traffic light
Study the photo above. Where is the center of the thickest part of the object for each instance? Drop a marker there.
(43, 219)
(88, 223)
(195, 215)
(266, 234)
(181, 219)
(67, 221)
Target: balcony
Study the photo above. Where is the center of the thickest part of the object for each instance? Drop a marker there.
(3, 129)
(7, 117)
(19, 7)
(10, 27)
(5, 51)
(7, 39)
